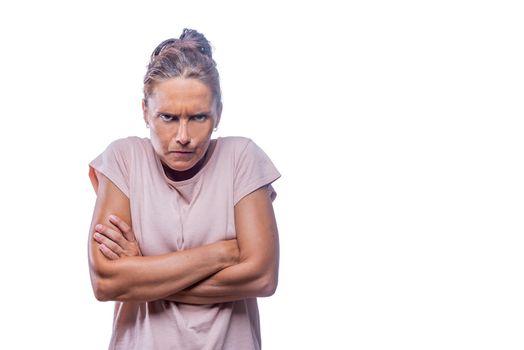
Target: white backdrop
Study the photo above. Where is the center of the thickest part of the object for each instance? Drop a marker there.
(397, 126)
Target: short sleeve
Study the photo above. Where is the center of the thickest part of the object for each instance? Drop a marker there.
(253, 170)
(113, 163)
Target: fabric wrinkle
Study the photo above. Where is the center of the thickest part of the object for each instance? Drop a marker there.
(169, 216)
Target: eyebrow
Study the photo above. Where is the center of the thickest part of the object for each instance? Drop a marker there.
(177, 115)
(167, 114)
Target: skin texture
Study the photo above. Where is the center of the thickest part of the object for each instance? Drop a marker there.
(181, 114)
(146, 278)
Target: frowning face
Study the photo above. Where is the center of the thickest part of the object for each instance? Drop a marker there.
(181, 114)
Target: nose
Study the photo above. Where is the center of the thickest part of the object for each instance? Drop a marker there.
(182, 136)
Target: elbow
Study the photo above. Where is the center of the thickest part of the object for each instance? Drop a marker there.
(101, 284)
(103, 290)
(107, 284)
(268, 285)
(108, 289)
(264, 279)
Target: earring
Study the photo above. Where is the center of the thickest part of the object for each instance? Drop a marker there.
(147, 125)
(215, 129)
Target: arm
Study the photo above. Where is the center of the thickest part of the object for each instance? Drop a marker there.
(140, 278)
(256, 274)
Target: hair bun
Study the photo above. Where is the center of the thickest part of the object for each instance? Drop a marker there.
(186, 57)
(197, 40)
(189, 40)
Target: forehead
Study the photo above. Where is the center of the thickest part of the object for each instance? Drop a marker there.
(179, 95)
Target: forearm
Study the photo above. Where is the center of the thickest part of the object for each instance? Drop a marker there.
(256, 275)
(240, 281)
(155, 277)
(147, 278)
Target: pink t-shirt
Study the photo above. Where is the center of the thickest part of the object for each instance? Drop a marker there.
(169, 216)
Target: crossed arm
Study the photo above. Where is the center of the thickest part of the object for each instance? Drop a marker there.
(218, 272)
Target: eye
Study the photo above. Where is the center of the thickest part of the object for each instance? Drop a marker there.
(168, 118)
(200, 117)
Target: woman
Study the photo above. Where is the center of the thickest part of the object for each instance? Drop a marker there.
(183, 235)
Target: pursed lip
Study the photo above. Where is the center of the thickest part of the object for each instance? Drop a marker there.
(182, 154)
(181, 151)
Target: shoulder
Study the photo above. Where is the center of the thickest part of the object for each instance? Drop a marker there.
(129, 147)
(117, 162)
(235, 142)
(124, 152)
(239, 146)
(252, 168)
(129, 143)
(243, 150)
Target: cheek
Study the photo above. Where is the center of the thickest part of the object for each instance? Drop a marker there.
(160, 131)
(205, 138)
(159, 137)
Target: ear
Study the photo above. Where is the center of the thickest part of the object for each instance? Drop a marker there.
(145, 112)
(219, 114)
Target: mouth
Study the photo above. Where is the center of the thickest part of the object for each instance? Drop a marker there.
(182, 154)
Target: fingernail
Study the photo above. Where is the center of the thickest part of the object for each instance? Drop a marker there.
(112, 217)
(99, 227)
(96, 235)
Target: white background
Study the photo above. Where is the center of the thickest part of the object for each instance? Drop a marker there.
(397, 126)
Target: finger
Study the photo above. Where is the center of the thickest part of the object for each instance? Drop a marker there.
(108, 243)
(123, 226)
(108, 253)
(114, 235)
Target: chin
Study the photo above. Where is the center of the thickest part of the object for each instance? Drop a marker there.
(181, 167)
(179, 164)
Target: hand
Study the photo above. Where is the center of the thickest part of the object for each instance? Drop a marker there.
(116, 243)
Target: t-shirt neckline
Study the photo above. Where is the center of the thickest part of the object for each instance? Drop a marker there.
(192, 179)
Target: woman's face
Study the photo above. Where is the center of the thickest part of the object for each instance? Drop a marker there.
(181, 115)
